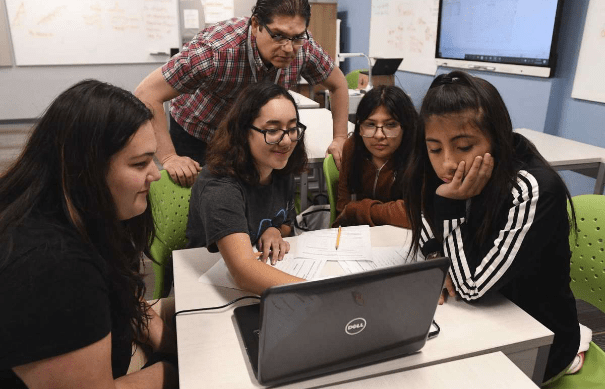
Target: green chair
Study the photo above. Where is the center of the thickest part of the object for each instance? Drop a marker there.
(588, 283)
(353, 78)
(170, 208)
(331, 174)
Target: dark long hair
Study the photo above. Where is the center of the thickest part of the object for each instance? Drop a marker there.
(229, 151)
(460, 93)
(61, 174)
(265, 10)
(399, 105)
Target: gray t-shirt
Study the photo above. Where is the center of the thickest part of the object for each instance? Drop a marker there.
(222, 206)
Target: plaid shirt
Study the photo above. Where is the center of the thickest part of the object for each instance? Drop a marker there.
(213, 68)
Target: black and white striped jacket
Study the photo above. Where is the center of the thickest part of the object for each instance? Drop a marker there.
(526, 256)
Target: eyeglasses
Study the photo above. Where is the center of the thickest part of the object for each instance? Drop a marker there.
(390, 130)
(281, 40)
(273, 137)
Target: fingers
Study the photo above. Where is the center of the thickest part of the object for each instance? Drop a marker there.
(442, 297)
(478, 175)
(448, 286)
(459, 175)
(337, 160)
(182, 170)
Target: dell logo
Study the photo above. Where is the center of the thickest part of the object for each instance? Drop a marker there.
(355, 326)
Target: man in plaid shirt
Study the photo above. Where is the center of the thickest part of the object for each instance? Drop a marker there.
(204, 79)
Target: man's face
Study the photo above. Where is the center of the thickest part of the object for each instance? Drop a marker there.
(271, 50)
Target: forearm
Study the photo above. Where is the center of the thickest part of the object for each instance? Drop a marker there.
(161, 375)
(339, 105)
(375, 213)
(160, 336)
(154, 91)
(285, 230)
(248, 272)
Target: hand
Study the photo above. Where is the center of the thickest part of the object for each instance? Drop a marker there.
(271, 242)
(182, 170)
(448, 290)
(461, 187)
(335, 149)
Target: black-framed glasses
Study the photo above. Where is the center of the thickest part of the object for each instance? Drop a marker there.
(273, 137)
(390, 130)
(283, 40)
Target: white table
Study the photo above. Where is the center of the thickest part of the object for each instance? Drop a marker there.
(493, 371)
(212, 354)
(303, 102)
(318, 137)
(354, 98)
(567, 154)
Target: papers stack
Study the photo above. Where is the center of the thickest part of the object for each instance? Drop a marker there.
(314, 249)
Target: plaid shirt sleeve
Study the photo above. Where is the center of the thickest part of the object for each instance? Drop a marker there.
(318, 64)
(191, 68)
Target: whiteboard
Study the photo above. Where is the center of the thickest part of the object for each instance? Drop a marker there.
(405, 29)
(589, 83)
(5, 49)
(72, 32)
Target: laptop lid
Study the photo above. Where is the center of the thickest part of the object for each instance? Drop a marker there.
(386, 66)
(319, 327)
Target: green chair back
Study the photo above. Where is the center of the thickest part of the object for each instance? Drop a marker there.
(331, 174)
(353, 78)
(170, 208)
(588, 284)
(588, 250)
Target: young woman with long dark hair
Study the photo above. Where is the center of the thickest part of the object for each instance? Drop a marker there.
(244, 196)
(484, 196)
(374, 157)
(74, 224)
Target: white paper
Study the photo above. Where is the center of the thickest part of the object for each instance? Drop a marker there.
(321, 245)
(308, 269)
(381, 257)
(218, 10)
(191, 18)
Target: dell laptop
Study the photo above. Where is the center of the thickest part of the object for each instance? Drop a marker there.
(313, 328)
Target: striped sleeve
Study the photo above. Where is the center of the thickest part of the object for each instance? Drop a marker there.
(507, 251)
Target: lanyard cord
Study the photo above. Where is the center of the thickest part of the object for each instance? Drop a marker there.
(251, 59)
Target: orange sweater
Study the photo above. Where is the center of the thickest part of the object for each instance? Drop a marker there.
(374, 206)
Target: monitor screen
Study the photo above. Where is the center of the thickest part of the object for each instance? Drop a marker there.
(510, 36)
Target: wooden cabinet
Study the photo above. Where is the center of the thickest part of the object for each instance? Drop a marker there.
(323, 26)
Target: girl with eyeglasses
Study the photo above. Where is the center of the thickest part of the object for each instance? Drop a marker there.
(244, 196)
(374, 158)
(484, 196)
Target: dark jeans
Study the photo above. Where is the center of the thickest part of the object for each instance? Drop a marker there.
(186, 144)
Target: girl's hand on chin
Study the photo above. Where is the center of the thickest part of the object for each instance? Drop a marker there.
(461, 187)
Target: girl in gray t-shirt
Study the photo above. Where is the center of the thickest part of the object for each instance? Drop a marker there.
(244, 196)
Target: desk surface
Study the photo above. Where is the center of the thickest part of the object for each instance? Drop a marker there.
(493, 371)
(560, 151)
(567, 154)
(211, 351)
(303, 102)
(319, 133)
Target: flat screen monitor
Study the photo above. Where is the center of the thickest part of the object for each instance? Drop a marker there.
(508, 36)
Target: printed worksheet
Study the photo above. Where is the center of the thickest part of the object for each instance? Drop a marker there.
(381, 257)
(308, 269)
(353, 245)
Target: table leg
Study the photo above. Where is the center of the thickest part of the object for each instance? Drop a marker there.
(598, 188)
(304, 189)
(540, 366)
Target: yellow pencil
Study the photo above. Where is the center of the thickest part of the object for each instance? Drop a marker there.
(338, 237)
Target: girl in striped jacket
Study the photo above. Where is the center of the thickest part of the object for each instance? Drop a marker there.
(483, 196)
